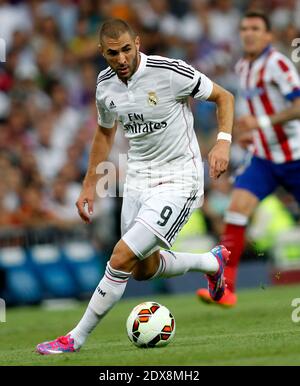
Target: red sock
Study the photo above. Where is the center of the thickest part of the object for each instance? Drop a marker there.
(233, 239)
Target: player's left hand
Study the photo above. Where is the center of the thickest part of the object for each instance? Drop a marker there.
(218, 158)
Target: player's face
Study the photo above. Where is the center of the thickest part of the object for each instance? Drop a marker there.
(121, 54)
(254, 35)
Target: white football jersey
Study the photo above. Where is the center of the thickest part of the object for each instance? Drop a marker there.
(153, 110)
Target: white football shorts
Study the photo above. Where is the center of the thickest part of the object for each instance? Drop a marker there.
(162, 212)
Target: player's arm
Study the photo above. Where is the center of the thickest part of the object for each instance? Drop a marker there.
(292, 112)
(247, 123)
(202, 88)
(219, 155)
(100, 149)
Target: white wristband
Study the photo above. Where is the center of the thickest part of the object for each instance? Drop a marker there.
(224, 136)
(264, 122)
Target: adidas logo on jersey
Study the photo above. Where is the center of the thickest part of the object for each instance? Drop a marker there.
(112, 105)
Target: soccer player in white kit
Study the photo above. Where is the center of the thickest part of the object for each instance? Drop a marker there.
(148, 96)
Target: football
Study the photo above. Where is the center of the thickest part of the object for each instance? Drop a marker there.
(150, 324)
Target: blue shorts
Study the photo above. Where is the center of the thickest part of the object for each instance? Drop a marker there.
(262, 177)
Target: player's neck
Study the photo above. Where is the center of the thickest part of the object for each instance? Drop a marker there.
(256, 55)
(135, 70)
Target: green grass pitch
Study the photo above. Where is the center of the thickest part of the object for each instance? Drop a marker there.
(259, 331)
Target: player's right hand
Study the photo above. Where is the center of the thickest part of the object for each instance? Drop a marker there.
(218, 159)
(85, 203)
(243, 131)
(246, 123)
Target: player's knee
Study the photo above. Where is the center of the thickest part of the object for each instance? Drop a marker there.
(116, 262)
(239, 207)
(243, 203)
(120, 260)
(141, 275)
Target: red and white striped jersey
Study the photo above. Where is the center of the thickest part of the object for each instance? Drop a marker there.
(269, 85)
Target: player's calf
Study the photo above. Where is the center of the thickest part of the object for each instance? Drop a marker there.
(146, 269)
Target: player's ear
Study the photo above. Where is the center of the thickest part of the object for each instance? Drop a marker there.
(100, 48)
(137, 42)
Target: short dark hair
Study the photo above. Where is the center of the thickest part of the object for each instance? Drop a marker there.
(114, 28)
(261, 15)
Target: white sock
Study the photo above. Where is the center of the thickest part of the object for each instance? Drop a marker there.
(106, 295)
(178, 263)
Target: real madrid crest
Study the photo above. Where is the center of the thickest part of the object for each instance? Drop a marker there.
(152, 98)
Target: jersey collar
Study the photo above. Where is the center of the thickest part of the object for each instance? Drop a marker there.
(265, 51)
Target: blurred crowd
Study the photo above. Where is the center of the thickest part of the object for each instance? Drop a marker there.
(47, 93)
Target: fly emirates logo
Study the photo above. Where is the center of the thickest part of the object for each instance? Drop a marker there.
(136, 124)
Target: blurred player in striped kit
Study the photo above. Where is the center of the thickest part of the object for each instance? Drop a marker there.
(270, 89)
